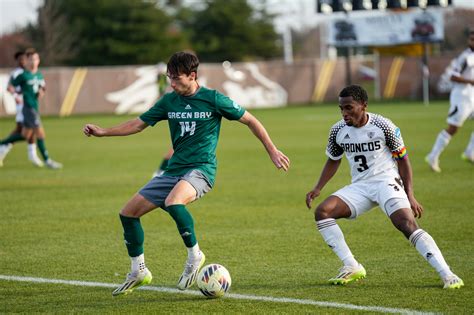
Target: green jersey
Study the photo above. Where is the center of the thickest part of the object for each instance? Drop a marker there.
(194, 122)
(30, 83)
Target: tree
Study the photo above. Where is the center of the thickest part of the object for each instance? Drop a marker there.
(232, 30)
(105, 32)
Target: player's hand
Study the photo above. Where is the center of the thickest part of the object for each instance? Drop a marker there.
(280, 160)
(93, 130)
(416, 207)
(312, 195)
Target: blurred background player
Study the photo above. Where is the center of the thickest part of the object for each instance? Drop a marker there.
(462, 106)
(7, 143)
(381, 175)
(194, 130)
(32, 84)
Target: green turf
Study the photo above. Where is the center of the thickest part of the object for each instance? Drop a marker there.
(64, 224)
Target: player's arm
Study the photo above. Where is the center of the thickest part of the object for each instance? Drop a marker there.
(405, 171)
(329, 169)
(278, 158)
(127, 128)
(459, 79)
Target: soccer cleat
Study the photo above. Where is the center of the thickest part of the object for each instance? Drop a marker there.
(453, 282)
(466, 158)
(53, 164)
(348, 274)
(134, 280)
(433, 163)
(191, 269)
(36, 161)
(4, 149)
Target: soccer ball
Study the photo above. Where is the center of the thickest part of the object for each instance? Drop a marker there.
(213, 281)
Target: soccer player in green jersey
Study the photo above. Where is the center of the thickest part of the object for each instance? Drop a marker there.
(33, 87)
(194, 115)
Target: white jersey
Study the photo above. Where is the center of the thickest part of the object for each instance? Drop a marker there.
(464, 67)
(13, 75)
(370, 149)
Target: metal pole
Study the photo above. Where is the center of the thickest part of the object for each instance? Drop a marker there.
(377, 75)
(426, 75)
(348, 65)
(287, 45)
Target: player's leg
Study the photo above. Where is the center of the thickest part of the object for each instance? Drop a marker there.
(402, 217)
(7, 143)
(468, 154)
(441, 142)
(192, 186)
(31, 121)
(40, 136)
(341, 205)
(134, 238)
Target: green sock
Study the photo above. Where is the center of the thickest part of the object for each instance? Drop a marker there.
(184, 222)
(164, 164)
(133, 235)
(12, 138)
(42, 148)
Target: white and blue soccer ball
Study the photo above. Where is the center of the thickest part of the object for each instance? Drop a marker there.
(214, 280)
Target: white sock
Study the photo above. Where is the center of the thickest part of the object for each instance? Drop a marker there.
(427, 247)
(193, 252)
(32, 151)
(333, 236)
(469, 152)
(138, 263)
(441, 142)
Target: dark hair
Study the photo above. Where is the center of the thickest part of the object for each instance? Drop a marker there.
(183, 62)
(18, 54)
(30, 51)
(357, 92)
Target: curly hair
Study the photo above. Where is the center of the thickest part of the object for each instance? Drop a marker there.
(357, 92)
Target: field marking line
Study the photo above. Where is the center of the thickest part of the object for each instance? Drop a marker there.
(235, 296)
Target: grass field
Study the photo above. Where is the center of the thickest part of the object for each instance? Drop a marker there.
(64, 224)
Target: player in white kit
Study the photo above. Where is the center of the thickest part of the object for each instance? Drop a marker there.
(381, 175)
(462, 106)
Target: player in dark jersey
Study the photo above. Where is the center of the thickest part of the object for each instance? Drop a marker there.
(381, 175)
(33, 86)
(194, 115)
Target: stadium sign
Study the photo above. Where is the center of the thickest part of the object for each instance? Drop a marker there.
(387, 29)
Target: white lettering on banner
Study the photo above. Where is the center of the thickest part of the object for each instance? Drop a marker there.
(6, 98)
(266, 93)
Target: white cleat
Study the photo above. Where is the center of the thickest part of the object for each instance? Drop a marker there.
(4, 149)
(191, 269)
(53, 164)
(453, 282)
(433, 163)
(133, 281)
(36, 161)
(467, 158)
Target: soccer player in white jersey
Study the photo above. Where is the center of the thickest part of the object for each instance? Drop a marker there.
(462, 106)
(381, 175)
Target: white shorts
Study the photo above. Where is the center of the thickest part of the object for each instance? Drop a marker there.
(19, 114)
(462, 107)
(364, 195)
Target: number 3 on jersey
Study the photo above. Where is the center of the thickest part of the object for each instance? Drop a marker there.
(362, 163)
(187, 126)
